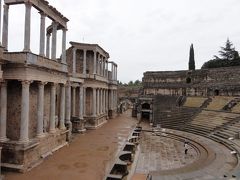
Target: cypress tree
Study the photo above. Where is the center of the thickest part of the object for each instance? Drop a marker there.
(191, 63)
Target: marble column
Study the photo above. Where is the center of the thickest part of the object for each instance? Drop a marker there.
(94, 62)
(107, 102)
(24, 138)
(94, 102)
(62, 108)
(48, 45)
(3, 120)
(84, 62)
(52, 108)
(84, 101)
(81, 102)
(116, 73)
(100, 101)
(40, 109)
(107, 69)
(103, 67)
(112, 73)
(104, 101)
(74, 60)
(112, 99)
(98, 93)
(0, 19)
(64, 31)
(42, 34)
(1, 178)
(73, 101)
(27, 30)
(68, 104)
(5, 27)
(54, 40)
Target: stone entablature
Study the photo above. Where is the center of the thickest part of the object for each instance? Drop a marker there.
(225, 81)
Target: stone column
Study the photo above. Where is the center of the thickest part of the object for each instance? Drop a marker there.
(97, 101)
(112, 73)
(54, 40)
(84, 101)
(81, 102)
(62, 108)
(0, 25)
(52, 108)
(107, 70)
(84, 62)
(5, 27)
(74, 101)
(42, 34)
(107, 102)
(94, 102)
(27, 31)
(68, 110)
(112, 99)
(48, 46)
(1, 178)
(104, 101)
(116, 73)
(64, 31)
(103, 67)
(24, 113)
(100, 102)
(68, 104)
(101, 106)
(3, 120)
(94, 62)
(40, 111)
(74, 61)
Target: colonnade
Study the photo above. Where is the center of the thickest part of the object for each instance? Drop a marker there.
(114, 71)
(24, 118)
(100, 63)
(27, 33)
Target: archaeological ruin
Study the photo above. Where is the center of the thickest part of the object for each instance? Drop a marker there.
(45, 98)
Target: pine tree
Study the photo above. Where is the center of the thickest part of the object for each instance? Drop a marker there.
(228, 52)
(191, 63)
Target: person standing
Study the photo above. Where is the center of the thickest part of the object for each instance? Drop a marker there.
(186, 147)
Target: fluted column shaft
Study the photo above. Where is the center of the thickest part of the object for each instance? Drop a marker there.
(48, 45)
(42, 34)
(81, 104)
(94, 62)
(94, 102)
(62, 108)
(68, 104)
(74, 101)
(64, 31)
(52, 108)
(54, 40)
(74, 61)
(40, 109)
(3, 120)
(24, 113)
(5, 27)
(97, 101)
(84, 62)
(27, 30)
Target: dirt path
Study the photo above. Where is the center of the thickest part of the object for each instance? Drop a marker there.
(87, 157)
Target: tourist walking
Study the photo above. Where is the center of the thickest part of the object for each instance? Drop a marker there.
(186, 147)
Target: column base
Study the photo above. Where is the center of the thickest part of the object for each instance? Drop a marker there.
(41, 135)
(23, 141)
(4, 139)
(52, 131)
(27, 50)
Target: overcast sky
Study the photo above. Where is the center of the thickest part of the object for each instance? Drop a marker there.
(141, 35)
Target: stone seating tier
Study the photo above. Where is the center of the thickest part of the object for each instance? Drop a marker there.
(194, 101)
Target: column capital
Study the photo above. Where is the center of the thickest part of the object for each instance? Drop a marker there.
(28, 3)
(3, 83)
(26, 82)
(42, 83)
(43, 14)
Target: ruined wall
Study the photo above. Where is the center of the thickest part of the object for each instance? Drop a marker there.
(223, 81)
